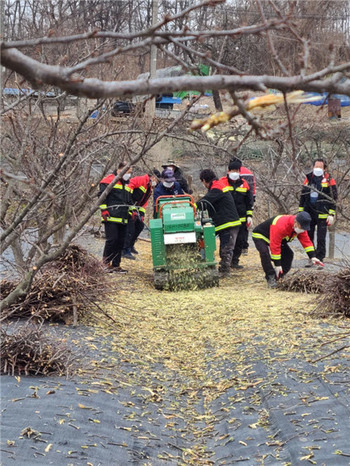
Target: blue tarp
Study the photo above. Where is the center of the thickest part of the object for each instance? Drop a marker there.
(169, 100)
(13, 91)
(16, 92)
(344, 99)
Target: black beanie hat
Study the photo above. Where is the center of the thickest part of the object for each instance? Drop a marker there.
(234, 165)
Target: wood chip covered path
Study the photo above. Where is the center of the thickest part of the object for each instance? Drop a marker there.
(235, 374)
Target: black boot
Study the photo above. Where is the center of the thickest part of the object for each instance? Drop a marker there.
(271, 281)
(127, 254)
(236, 265)
(133, 250)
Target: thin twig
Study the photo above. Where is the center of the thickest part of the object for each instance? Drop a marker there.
(329, 354)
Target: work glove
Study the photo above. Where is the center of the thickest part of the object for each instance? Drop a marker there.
(316, 261)
(249, 222)
(105, 215)
(330, 220)
(279, 272)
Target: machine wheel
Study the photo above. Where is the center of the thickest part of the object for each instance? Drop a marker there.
(213, 277)
(160, 279)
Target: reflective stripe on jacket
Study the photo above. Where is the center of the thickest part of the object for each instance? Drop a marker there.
(220, 206)
(279, 229)
(141, 190)
(242, 196)
(117, 201)
(249, 177)
(318, 196)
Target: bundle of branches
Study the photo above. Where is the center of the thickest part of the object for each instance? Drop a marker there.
(6, 287)
(63, 290)
(336, 299)
(76, 259)
(28, 351)
(304, 281)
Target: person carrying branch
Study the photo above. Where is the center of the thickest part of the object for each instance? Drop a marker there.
(318, 198)
(115, 215)
(271, 239)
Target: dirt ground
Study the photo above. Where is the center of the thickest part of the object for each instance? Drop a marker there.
(227, 375)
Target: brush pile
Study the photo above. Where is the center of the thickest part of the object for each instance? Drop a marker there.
(336, 298)
(304, 281)
(62, 291)
(28, 351)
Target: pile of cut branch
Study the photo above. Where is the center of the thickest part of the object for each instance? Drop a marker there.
(63, 291)
(303, 281)
(336, 299)
(28, 351)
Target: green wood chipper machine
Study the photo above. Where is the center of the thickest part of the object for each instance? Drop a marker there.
(183, 245)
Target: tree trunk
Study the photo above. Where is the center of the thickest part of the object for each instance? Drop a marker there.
(217, 101)
(331, 243)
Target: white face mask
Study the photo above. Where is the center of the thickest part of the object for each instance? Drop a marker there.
(298, 230)
(233, 176)
(154, 183)
(168, 184)
(126, 176)
(318, 171)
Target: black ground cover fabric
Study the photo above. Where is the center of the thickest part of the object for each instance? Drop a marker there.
(295, 415)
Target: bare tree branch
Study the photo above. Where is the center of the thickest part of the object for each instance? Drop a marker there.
(162, 36)
(40, 73)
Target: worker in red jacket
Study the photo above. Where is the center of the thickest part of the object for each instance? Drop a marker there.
(142, 187)
(243, 199)
(271, 239)
(249, 177)
(115, 216)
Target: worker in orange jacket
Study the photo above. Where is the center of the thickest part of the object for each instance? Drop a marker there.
(271, 239)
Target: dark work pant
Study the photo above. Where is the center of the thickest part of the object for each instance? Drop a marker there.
(321, 225)
(240, 243)
(245, 234)
(265, 257)
(133, 231)
(228, 238)
(115, 237)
